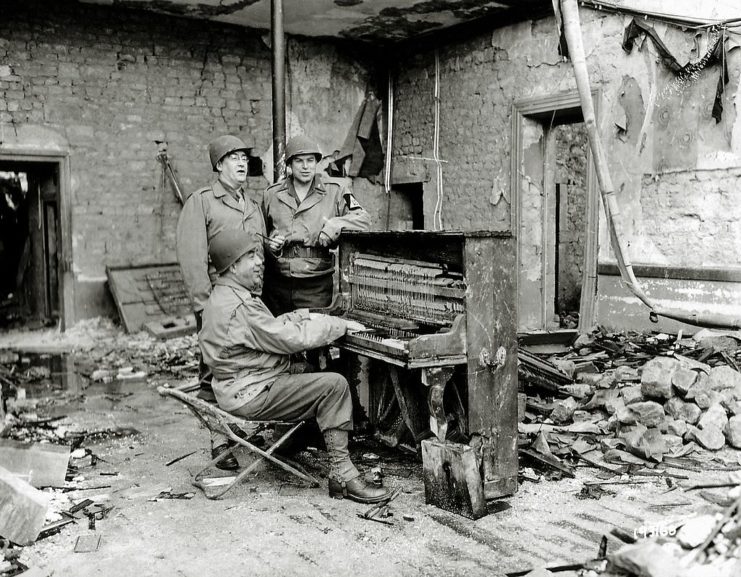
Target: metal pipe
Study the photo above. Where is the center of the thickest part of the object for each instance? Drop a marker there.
(278, 43)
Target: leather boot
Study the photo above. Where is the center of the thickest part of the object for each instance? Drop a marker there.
(228, 463)
(345, 481)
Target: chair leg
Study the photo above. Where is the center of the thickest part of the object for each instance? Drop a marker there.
(265, 455)
(214, 461)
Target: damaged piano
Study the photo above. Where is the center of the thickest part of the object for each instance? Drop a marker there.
(439, 358)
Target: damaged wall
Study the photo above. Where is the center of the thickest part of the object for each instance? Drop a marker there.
(674, 168)
(107, 87)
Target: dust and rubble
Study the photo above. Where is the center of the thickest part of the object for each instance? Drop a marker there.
(620, 441)
(642, 406)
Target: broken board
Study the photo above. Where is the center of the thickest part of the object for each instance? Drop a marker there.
(22, 509)
(149, 293)
(452, 478)
(41, 465)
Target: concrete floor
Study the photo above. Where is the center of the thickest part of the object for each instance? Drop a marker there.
(271, 525)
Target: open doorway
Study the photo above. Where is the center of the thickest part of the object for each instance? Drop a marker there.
(554, 214)
(30, 243)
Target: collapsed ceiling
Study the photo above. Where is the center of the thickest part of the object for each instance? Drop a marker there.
(381, 21)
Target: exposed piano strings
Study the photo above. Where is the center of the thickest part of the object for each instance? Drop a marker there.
(426, 292)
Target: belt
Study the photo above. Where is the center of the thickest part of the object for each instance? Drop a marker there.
(298, 251)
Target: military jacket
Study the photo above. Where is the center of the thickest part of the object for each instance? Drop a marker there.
(207, 212)
(247, 348)
(328, 207)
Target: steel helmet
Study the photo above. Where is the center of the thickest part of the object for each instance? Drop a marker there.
(223, 145)
(228, 246)
(302, 144)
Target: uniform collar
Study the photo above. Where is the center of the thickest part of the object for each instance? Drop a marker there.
(242, 292)
(287, 194)
(223, 194)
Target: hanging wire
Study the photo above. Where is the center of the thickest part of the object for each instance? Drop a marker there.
(437, 216)
(389, 131)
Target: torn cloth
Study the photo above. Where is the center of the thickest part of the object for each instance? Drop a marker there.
(363, 141)
(717, 54)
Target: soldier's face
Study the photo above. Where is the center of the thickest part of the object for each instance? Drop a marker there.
(232, 168)
(303, 168)
(249, 269)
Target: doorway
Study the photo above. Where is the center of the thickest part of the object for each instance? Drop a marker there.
(554, 215)
(31, 253)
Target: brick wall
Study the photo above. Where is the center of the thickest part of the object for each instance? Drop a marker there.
(107, 86)
(651, 125)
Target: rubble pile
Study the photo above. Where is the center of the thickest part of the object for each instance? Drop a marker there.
(705, 545)
(651, 396)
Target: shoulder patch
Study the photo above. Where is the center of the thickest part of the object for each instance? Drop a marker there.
(351, 203)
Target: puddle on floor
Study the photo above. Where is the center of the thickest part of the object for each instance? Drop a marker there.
(30, 378)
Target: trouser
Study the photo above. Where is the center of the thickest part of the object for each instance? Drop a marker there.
(205, 376)
(283, 294)
(323, 396)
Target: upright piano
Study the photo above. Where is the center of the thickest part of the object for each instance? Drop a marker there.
(441, 304)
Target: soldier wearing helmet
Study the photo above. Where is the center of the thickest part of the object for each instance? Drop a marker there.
(305, 214)
(248, 350)
(222, 205)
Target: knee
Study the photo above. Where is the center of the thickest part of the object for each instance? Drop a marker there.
(337, 384)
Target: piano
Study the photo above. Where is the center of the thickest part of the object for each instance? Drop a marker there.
(441, 304)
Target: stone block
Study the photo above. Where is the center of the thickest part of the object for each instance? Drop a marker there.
(644, 442)
(647, 413)
(714, 417)
(683, 379)
(631, 394)
(681, 410)
(732, 431)
(625, 374)
(672, 442)
(656, 377)
(710, 438)
(22, 509)
(724, 377)
(563, 410)
(675, 427)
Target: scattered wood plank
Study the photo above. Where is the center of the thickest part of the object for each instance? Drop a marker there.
(22, 509)
(44, 465)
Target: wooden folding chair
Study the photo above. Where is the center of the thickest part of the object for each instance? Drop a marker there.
(220, 421)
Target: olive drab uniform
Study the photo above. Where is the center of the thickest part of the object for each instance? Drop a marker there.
(207, 212)
(300, 274)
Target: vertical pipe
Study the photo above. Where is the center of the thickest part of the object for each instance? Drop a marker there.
(278, 42)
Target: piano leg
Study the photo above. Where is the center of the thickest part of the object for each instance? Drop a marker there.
(435, 378)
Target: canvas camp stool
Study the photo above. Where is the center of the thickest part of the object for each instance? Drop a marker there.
(220, 421)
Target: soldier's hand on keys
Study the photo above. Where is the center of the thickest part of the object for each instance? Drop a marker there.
(276, 242)
(354, 327)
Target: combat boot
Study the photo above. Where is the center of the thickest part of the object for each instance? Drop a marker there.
(345, 481)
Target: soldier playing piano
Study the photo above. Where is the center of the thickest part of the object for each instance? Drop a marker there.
(248, 349)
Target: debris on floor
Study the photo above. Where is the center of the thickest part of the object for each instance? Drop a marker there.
(646, 401)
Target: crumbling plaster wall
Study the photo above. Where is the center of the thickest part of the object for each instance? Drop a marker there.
(674, 168)
(106, 86)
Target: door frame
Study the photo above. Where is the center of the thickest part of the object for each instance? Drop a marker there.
(536, 108)
(66, 277)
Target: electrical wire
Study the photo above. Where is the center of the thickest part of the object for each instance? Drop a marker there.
(389, 131)
(437, 219)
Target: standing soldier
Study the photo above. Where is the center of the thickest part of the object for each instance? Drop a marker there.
(222, 205)
(305, 214)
